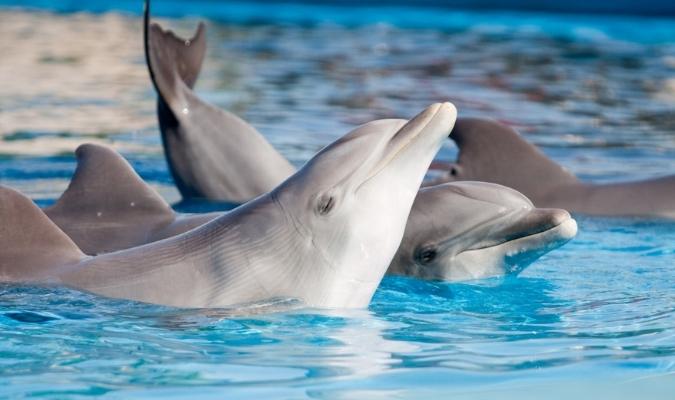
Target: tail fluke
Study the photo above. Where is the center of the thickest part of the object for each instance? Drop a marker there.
(171, 58)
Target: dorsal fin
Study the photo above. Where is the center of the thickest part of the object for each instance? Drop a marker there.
(31, 245)
(104, 184)
(493, 152)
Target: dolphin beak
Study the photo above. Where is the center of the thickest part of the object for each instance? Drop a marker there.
(436, 121)
(422, 136)
(540, 220)
(552, 225)
(528, 235)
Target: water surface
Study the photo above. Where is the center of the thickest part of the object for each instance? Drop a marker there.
(591, 320)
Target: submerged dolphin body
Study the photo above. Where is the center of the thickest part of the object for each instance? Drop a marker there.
(325, 236)
(493, 152)
(485, 230)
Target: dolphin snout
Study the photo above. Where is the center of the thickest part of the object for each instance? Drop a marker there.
(563, 221)
(551, 217)
(438, 115)
(559, 222)
(540, 220)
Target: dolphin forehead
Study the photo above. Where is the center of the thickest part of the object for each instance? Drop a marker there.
(371, 148)
(455, 205)
(357, 150)
(490, 193)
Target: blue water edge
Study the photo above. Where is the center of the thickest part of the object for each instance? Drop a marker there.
(594, 319)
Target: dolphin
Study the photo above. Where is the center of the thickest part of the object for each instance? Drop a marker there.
(198, 136)
(493, 152)
(324, 236)
(476, 230)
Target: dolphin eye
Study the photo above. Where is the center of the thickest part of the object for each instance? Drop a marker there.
(325, 205)
(454, 170)
(426, 255)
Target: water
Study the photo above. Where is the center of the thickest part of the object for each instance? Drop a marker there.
(593, 319)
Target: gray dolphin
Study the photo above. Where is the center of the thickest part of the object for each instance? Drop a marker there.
(492, 152)
(325, 236)
(476, 229)
(174, 64)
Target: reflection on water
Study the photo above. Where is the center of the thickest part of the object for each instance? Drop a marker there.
(600, 309)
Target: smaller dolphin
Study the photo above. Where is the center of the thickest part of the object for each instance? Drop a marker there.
(472, 230)
(476, 229)
(325, 236)
(492, 152)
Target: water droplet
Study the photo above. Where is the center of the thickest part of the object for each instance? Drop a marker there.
(187, 42)
(185, 110)
(132, 204)
(98, 214)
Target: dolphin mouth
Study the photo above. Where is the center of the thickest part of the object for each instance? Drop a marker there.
(552, 224)
(410, 134)
(516, 254)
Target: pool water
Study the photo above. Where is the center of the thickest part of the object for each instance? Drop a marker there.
(593, 319)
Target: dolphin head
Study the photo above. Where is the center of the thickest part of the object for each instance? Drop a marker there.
(471, 230)
(349, 204)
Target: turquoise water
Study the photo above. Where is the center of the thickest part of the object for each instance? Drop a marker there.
(596, 317)
(593, 319)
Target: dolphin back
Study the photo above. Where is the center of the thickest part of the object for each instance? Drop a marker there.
(107, 206)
